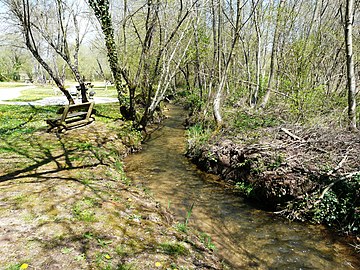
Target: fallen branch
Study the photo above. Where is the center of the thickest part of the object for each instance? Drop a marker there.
(292, 135)
(327, 188)
(341, 163)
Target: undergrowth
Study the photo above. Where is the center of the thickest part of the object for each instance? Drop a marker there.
(338, 208)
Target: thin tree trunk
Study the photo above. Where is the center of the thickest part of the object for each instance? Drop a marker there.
(219, 92)
(349, 19)
(273, 55)
(254, 97)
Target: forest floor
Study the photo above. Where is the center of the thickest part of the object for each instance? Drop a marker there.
(66, 203)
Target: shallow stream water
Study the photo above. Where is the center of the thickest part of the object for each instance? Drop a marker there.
(245, 237)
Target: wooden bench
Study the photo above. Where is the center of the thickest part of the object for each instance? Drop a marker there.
(73, 116)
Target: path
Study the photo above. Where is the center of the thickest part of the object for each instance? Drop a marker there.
(13, 92)
(7, 94)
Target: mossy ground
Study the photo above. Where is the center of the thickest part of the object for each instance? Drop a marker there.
(67, 204)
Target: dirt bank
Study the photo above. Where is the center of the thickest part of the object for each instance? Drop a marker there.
(67, 204)
(296, 170)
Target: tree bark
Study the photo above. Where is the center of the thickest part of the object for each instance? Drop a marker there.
(102, 13)
(351, 82)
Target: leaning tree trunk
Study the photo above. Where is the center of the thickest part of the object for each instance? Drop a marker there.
(351, 83)
(24, 18)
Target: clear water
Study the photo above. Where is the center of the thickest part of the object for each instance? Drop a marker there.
(246, 238)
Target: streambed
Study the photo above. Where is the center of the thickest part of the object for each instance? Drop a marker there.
(245, 237)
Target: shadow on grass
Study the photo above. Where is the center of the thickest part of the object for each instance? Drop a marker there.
(43, 158)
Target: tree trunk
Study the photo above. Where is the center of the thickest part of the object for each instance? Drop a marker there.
(224, 74)
(273, 55)
(102, 13)
(254, 96)
(351, 83)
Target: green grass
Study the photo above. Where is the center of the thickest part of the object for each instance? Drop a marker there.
(83, 210)
(181, 227)
(243, 121)
(206, 240)
(173, 249)
(35, 94)
(16, 120)
(107, 112)
(100, 91)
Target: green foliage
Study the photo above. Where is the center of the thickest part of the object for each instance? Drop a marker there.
(307, 102)
(340, 206)
(15, 266)
(206, 240)
(191, 100)
(107, 112)
(83, 210)
(243, 121)
(197, 136)
(183, 227)
(244, 188)
(130, 136)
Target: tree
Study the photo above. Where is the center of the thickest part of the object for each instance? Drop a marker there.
(58, 38)
(158, 37)
(22, 12)
(273, 54)
(351, 81)
(102, 12)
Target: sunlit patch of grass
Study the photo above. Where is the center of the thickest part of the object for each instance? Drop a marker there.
(16, 120)
(107, 112)
(102, 91)
(35, 94)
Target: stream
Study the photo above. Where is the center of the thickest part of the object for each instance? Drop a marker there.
(245, 237)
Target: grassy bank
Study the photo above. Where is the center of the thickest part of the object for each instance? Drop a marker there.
(67, 204)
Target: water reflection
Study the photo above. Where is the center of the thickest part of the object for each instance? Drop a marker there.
(246, 238)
